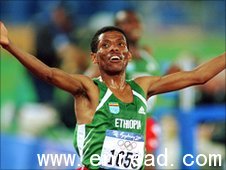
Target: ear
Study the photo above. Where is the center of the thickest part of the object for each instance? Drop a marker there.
(93, 57)
(129, 56)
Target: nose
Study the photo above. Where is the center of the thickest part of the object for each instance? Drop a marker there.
(114, 48)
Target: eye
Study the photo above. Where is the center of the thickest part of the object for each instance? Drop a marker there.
(122, 44)
(105, 45)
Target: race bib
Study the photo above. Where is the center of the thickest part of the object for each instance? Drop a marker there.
(122, 150)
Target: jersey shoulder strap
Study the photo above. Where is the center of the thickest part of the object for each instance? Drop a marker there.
(102, 87)
(136, 88)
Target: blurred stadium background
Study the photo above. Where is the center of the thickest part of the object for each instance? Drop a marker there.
(182, 32)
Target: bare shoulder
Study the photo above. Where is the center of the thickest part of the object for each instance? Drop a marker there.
(145, 81)
(86, 99)
(87, 82)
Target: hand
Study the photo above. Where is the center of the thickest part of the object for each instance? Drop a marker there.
(4, 40)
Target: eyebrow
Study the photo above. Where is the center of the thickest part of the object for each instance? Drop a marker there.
(109, 39)
(119, 39)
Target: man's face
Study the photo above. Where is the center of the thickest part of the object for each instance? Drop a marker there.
(112, 54)
(131, 25)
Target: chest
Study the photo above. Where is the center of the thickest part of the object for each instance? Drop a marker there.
(126, 96)
(123, 116)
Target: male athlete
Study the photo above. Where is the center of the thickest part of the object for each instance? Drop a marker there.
(111, 111)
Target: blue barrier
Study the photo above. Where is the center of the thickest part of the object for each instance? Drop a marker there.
(188, 122)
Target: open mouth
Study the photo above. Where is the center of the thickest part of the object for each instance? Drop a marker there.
(115, 58)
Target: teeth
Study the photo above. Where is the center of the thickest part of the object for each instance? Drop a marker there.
(115, 58)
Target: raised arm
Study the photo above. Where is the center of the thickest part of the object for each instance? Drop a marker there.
(183, 79)
(67, 82)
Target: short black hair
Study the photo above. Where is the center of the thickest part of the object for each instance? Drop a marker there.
(95, 39)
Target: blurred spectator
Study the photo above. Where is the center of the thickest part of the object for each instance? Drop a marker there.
(48, 38)
(56, 47)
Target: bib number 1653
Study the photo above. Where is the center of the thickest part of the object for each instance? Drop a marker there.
(123, 159)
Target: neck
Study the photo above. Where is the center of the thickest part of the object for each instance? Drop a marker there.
(116, 82)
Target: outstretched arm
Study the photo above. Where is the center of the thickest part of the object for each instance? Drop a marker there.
(183, 79)
(70, 83)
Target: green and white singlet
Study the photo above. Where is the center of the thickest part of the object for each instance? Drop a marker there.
(117, 131)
